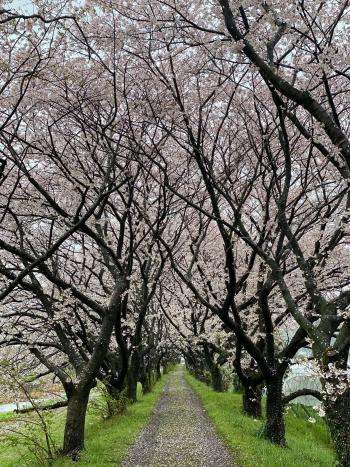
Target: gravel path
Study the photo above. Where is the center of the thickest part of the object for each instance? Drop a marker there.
(179, 433)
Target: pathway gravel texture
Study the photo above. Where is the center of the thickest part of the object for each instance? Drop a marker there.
(179, 433)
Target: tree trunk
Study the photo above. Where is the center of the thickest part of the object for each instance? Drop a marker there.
(338, 420)
(214, 369)
(216, 378)
(252, 401)
(146, 381)
(75, 424)
(158, 370)
(275, 427)
(132, 378)
(132, 386)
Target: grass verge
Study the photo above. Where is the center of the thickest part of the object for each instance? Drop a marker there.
(106, 441)
(308, 444)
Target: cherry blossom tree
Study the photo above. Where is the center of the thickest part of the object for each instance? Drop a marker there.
(187, 156)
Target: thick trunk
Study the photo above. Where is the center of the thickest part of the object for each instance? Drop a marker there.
(252, 401)
(132, 386)
(216, 378)
(214, 370)
(132, 376)
(146, 382)
(158, 370)
(338, 420)
(78, 396)
(75, 424)
(275, 427)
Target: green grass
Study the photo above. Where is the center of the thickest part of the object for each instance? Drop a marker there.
(308, 444)
(5, 417)
(106, 441)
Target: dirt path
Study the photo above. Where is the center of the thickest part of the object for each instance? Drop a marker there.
(179, 433)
